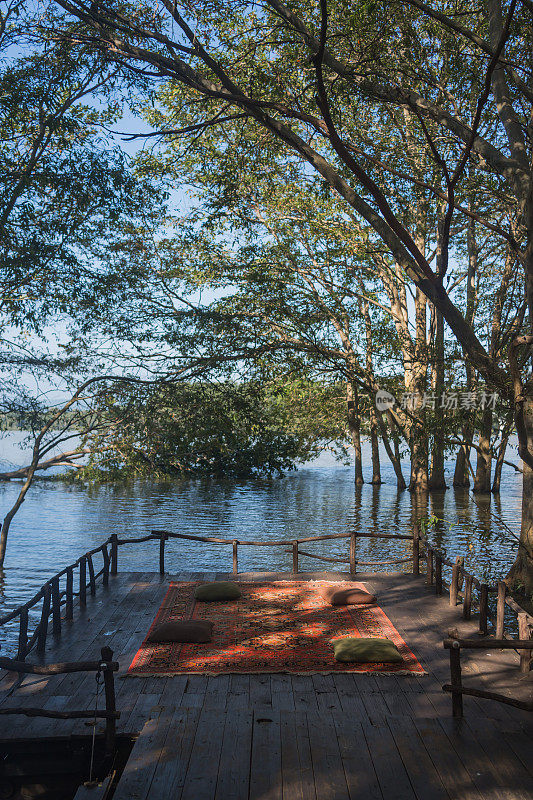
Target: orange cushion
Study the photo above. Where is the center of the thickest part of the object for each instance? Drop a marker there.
(337, 595)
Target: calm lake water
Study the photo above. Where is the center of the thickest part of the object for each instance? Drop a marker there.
(59, 522)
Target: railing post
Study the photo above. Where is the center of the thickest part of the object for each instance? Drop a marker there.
(353, 567)
(56, 607)
(500, 609)
(416, 550)
(43, 624)
(429, 562)
(467, 600)
(295, 556)
(110, 704)
(162, 540)
(484, 609)
(454, 585)
(438, 575)
(105, 574)
(455, 671)
(92, 582)
(524, 633)
(23, 635)
(114, 554)
(83, 581)
(234, 546)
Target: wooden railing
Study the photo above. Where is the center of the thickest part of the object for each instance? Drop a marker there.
(461, 590)
(294, 544)
(105, 666)
(456, 688)
(55, 599)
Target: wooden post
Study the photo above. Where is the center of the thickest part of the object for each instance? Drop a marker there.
(353, 567)
(500, 610)
(455, 670)
(416, 550)
(83, 581)
(69, 594)
(23, 635)
(92, 582)
(295, 556)
(43, 624)
(467, 600)
(454, 585)
(162, 539)
(438, 575)
(105, 574)
(235, 544)
(114, 554)
(56, 607)
(109, 688)
(429, 562)
(484, 609)
(524, 633)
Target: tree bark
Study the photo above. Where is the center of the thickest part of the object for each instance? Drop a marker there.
(374, 443)
(354, 426)
(520, 576)
(484, 457)
(437, 480)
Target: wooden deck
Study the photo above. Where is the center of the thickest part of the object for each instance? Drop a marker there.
(289, 737)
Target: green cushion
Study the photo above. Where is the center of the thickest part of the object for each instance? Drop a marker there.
(366, 650)
(221, 590)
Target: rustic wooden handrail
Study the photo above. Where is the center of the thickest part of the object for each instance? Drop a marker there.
(456, 687)
(54, 599)
(105, 665)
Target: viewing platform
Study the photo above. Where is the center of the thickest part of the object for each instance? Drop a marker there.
(292, 736)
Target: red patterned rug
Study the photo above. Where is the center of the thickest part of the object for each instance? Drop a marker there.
(278, 626)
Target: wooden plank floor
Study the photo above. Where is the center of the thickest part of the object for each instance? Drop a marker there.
(293, 737)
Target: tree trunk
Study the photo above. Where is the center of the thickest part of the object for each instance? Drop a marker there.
(501, 454)
(354, 426)
(394, 456)
(520, 576)
(374, 442)
(484, 458)
(437, 481)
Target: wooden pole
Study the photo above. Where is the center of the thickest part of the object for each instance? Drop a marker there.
(295, 557)
(455, 671)
(429, 563)
(114, 554)
(105, 574)
(353, 567)
(484, 609)
(69, 594)
(23, 635)
(43, 624)
(454, 585)
(235, 555)
(438, 575)
(416, 550)
(162, 540)
(467, 601)
(524, 633)
(56, 607)
(500, 610)
(110, 703)
(83, 581)
(92, 582)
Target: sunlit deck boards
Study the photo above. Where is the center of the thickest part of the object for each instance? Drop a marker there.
(289, 736)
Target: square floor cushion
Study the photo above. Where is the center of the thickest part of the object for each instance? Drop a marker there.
(221, 590)
(338, 595)
(182, 630)
(366, 650)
